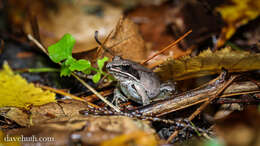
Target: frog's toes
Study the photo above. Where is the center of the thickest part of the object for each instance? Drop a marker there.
(168, 87)
(118, 97)
(118, 100)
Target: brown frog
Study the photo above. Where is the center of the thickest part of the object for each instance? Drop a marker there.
(136, 82)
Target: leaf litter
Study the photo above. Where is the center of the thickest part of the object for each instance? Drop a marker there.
(62, 118)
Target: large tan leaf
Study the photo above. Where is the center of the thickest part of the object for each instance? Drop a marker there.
(80, 19)
(126, 41)
(207, 63)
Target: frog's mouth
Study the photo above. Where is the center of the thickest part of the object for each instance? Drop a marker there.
(120, 72)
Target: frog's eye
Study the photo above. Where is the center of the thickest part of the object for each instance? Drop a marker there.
(117, 58)
(125, 68)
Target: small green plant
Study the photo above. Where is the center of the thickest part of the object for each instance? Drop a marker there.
(61, 52)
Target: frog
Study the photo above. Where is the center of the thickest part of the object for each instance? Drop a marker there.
(137, 83)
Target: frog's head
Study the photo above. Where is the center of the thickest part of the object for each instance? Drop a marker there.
(123, 69)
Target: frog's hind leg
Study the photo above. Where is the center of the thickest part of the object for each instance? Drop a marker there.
(167, 90)
(143, 95)
(118, 96)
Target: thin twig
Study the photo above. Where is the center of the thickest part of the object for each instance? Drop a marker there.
(199, 110)
(66, 94)
(34, 26)
(94, 97)
(2, 46)
(169, 46)
(37, 43)
(101, 45)
(95, 92)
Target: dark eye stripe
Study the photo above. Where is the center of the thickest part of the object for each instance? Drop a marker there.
(131, 71)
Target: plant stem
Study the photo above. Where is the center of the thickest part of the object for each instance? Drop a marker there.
(45, 69)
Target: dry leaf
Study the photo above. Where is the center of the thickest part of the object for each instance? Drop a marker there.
(172, 20)
(207, 63)
(16, 92)
(105, 128)
(89, 130)
(81, 19)
(240, 128)
(157, 21)
(40, 114)
(126, 41)
(235, 14)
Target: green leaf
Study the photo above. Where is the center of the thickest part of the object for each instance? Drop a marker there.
(80, 65)
(69, 61)
(101, 63)
(65, 71)
(96, 77)
(62, 49)
(87, 71)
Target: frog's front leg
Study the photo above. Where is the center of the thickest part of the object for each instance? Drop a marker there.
(118, 96)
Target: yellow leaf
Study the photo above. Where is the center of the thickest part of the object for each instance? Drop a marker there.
(16, 92)
(207, 63)
(236, 13)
